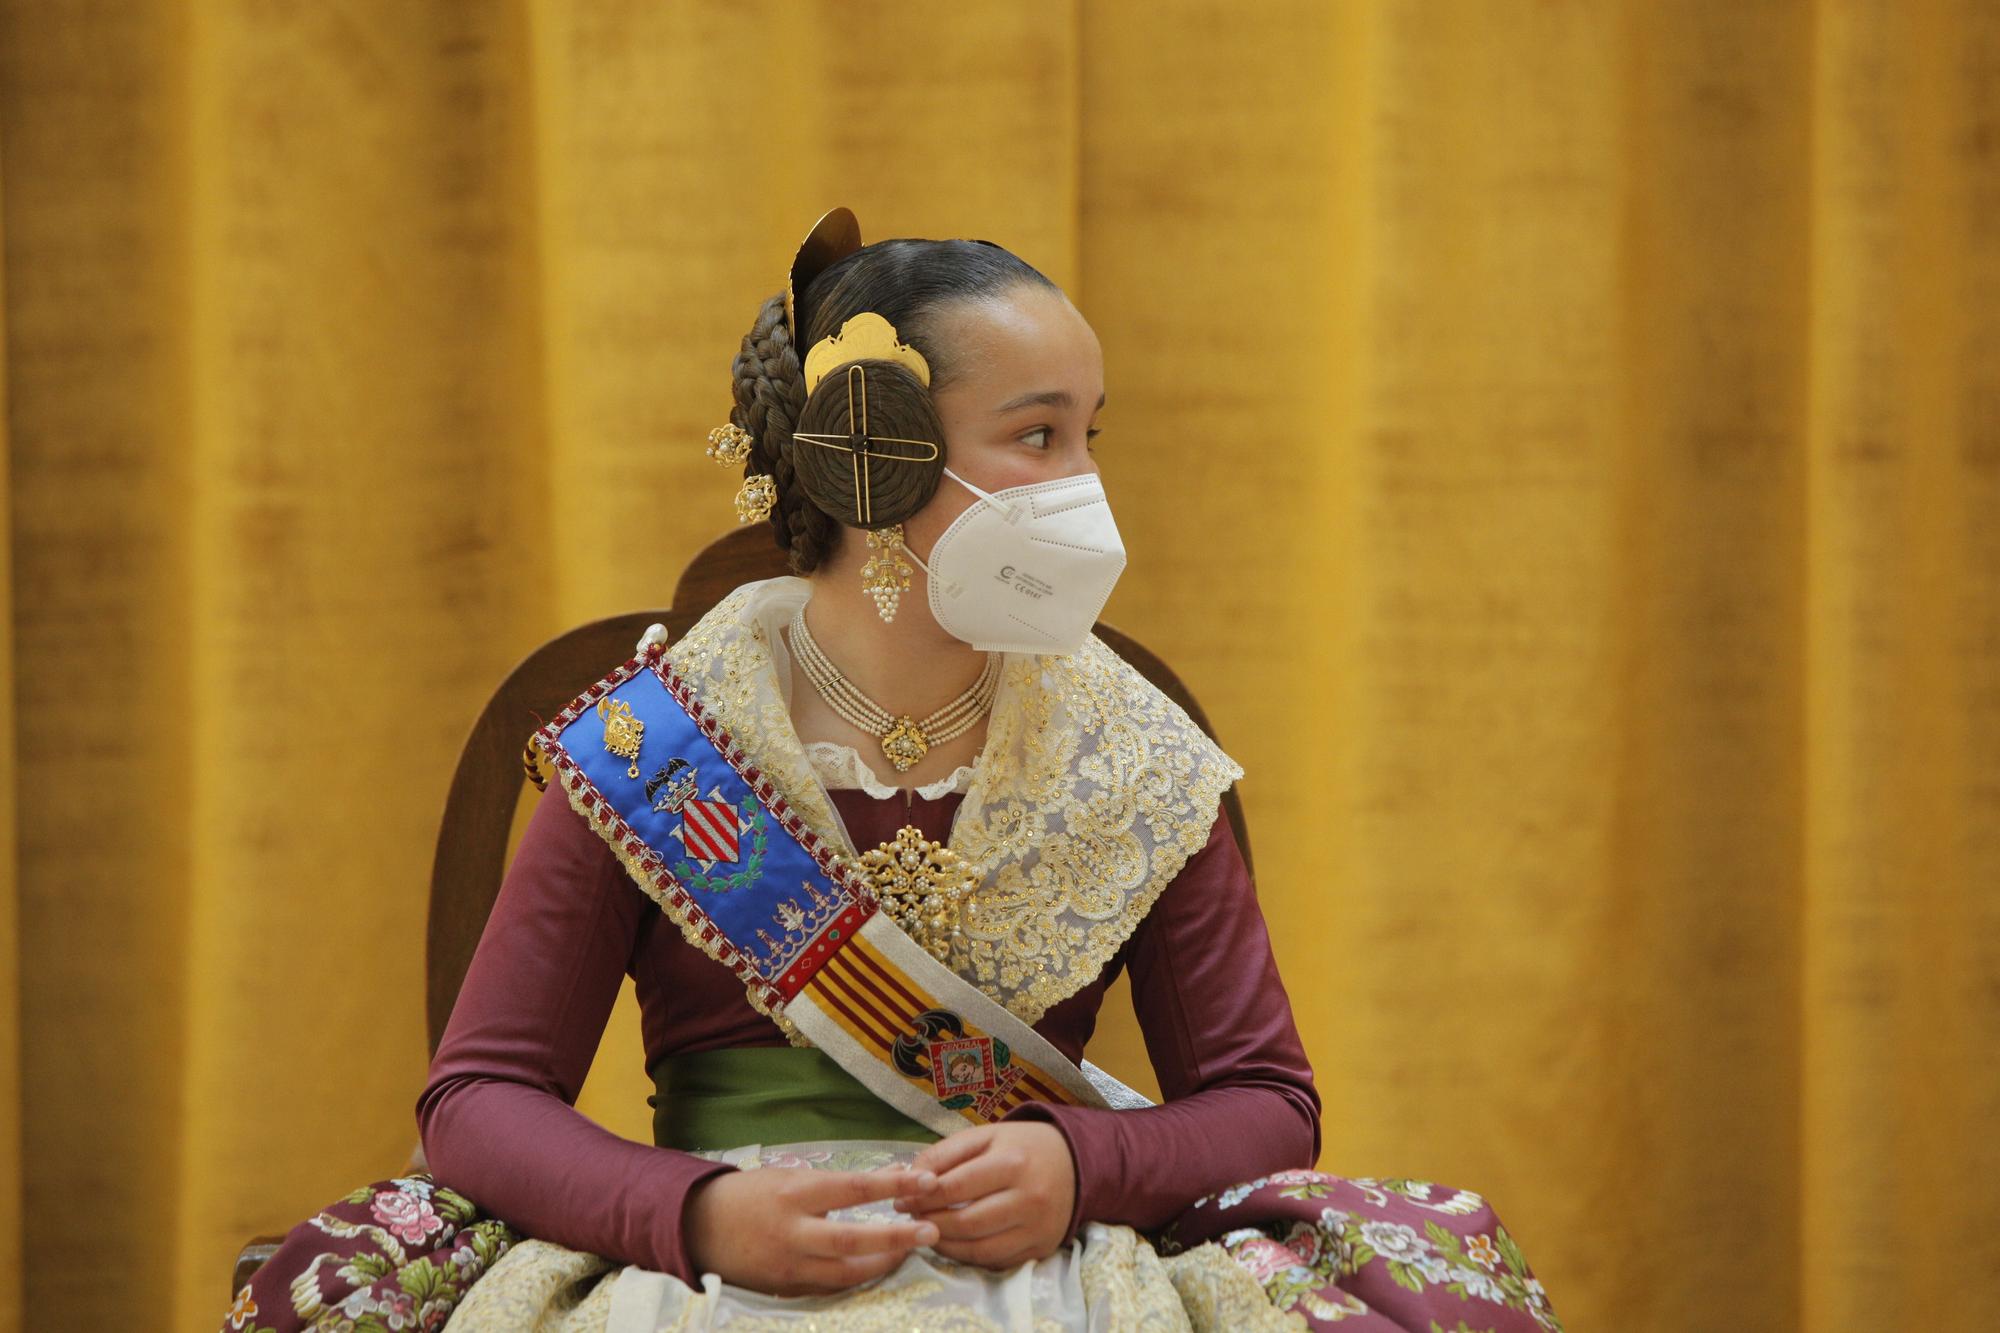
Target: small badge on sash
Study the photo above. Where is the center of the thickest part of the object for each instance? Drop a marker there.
(671, 785)
(964, 1071)
(622, 731)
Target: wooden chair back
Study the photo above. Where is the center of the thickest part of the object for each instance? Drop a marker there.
(485, 791)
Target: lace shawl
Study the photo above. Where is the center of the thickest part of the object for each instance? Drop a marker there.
(1091, 793)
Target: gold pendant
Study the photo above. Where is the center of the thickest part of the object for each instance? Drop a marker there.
(622, 731)
(922, 886)
(905, 744)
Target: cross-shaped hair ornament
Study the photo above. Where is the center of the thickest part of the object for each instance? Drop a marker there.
(859, 445)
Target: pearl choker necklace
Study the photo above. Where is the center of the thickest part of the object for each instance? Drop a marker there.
(905, 741)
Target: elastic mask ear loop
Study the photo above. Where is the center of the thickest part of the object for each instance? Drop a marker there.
(1006, 507)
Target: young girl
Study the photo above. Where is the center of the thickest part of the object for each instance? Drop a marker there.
(873, 841)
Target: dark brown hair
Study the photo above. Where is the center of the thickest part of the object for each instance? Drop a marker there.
(906, 281)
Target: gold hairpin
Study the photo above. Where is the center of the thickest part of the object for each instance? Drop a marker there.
(756, 497)
(729, 444)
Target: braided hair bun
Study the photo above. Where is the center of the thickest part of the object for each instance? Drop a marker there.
(882, 476)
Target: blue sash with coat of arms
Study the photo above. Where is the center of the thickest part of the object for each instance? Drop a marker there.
(710, 838)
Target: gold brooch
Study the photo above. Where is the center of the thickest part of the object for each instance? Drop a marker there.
(922, 886)
(622, 731)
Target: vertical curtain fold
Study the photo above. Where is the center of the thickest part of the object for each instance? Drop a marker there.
(91, 125)
(366, 523)
(1901, 925)
(10, 924)
(1702, 877)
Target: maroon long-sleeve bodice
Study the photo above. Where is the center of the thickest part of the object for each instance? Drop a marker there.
(499, 1123)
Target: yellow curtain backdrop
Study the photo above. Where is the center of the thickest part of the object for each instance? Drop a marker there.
(1560, 441)
(10, 959)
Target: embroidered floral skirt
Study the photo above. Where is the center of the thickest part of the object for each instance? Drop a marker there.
(1295, 1250)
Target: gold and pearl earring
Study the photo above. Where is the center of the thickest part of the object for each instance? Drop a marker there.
(886, 576)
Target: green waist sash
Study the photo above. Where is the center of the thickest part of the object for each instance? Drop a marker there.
(767, 1094)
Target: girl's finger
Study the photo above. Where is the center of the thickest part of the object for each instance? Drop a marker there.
(974, 1179)
(997, 1212)
(824, 1191)
(824, 1238)
(953, 1149)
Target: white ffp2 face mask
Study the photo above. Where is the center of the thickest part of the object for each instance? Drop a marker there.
(1026, 569)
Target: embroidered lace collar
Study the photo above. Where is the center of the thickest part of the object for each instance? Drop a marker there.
(1091, 793)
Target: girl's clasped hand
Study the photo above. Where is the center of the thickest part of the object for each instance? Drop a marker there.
(768, 1229)
(992, 1196)
(1003, 1193)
